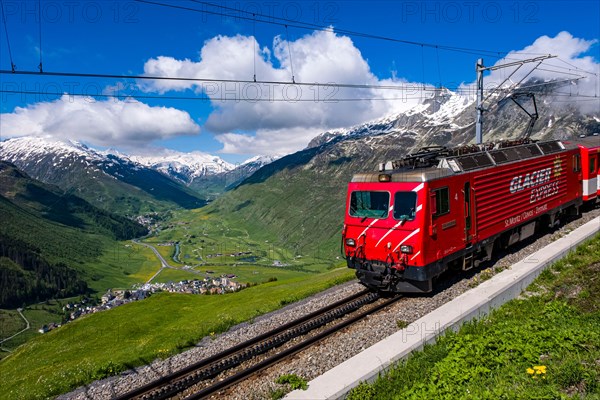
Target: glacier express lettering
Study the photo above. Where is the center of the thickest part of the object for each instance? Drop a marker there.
(535, 178)
(544, 192)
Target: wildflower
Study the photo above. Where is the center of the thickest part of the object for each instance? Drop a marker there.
(540, 369)
(537, 370)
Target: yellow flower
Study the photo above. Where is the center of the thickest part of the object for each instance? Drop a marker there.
(540, 369)
(530, 371)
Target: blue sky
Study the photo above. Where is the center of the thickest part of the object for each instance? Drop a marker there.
(135, 38)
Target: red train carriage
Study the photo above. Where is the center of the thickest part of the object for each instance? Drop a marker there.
(442, 208)
(590, 159)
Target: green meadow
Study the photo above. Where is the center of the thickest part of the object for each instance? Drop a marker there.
(106, 343)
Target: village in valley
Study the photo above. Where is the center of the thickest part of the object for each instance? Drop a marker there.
(118, 297)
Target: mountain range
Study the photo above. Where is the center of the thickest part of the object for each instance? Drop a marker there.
(125, 184)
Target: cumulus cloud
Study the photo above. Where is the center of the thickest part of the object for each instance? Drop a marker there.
(284, 116)
(273, 142)
(112, 122)
(570, 63)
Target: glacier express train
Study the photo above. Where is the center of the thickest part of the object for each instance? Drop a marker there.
(445, 208)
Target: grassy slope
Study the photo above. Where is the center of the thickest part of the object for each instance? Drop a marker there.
(556, 325)
(57, 242)
(121, 265)
(139, 332)
(37, 315)
(304, 217)
(104, 262)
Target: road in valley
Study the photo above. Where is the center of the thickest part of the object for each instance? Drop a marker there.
(164, 264)
(19, 310)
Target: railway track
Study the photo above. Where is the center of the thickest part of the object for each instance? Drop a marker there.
(172, 385)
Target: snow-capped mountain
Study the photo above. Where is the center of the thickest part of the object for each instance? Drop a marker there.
(258, 161)
(444, 110)
(184, 167)
(106, 180)
(448, 118)
(112, 176)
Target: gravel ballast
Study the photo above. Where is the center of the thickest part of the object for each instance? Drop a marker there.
(328, 353)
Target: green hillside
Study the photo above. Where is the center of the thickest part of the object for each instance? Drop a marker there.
(47, 239)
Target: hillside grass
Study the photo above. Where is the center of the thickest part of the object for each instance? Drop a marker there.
(37, 314)
(298, 209)
(106, 343)
(544, 345)
(120, 266)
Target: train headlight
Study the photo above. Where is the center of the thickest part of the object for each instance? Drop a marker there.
(384, 178)
(350, 242)
(406, 249)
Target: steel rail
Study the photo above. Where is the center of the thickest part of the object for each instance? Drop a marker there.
(170, 384)
(229, 381)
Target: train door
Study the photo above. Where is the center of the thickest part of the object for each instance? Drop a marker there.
(468, 214)
(594, 179)
(468, 260)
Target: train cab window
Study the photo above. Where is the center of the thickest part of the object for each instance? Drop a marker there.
(442, 201)
(405, 206)
(365, 204)
(592, 165)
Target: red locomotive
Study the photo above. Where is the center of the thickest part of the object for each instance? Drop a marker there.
(441, 208)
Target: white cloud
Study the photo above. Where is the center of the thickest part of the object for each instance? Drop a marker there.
(274, 142)
(570, 63)
(293, 114)
(111, 122)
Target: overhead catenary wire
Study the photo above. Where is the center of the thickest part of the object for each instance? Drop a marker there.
(308, 26)
(217, 80)
(408, 88)
(287, 37)
(41, 66)
(12, 64)
(201, 98)
(403, 87)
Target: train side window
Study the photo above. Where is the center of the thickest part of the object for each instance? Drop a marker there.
(576, 163)
(592, 165)
(442, 201)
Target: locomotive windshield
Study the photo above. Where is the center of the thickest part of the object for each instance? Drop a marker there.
(369, 204)
(405, 204)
